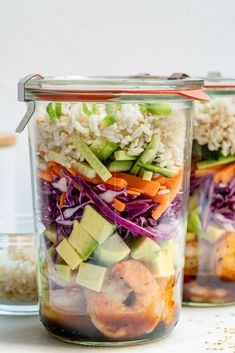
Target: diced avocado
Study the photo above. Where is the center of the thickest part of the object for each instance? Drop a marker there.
(84, 169)
(56, 157)
(82, 241)
(120, 166)
(68, 254)
(168, 173)
(174, 249)
(91, 158)
(124, 156)
(109, 120)
(64, 271)
(159, 108)
(50, 233)
(148, 155)
(144, 248)
(50, 252)
(163, 265)
(213, 233)
(98, 145)
(108, 150)
(91, 276)
(96, 225)
(194, 223)
(215, 162)
(112, 250)
(190, 236)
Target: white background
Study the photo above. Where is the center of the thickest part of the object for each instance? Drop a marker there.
(102, 37)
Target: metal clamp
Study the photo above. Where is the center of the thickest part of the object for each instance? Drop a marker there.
(21, 98)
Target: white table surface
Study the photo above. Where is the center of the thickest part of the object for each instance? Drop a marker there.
(199, 330)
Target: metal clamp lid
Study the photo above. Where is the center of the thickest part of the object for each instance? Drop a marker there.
(21, 97)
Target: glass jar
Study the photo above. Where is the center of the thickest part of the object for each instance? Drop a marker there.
(18, 292)
(209, 277)
(110, 159)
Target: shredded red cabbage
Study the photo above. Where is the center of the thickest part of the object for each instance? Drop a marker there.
(217, 201)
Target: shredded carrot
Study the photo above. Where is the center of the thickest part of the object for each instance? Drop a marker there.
(174, 185)
(62, 199)
(158, 210)
(132, 192)
(46, 174)
(148, 188)
(116, 183)
(225, 174)
(162, 187)
(210, 170)
(120, 206)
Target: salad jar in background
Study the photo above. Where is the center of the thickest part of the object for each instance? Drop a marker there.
(110, 160)
(209, 277)
(18, 292)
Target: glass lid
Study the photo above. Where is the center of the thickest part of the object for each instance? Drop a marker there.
(36, 87)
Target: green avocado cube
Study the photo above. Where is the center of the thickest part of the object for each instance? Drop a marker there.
(144, 248)
(163, 265)
(68, 254)
(64, 271)
(50, 252)
(82, 241)
(96, 225)
(50, 233)
(213, 233)
(112, 250)
(91, 276)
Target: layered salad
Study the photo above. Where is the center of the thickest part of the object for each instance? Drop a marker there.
(210, 247)
(110, 217)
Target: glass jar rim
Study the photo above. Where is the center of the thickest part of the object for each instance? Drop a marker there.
(59, 87)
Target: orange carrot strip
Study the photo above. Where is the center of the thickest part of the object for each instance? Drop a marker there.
(210, 170)
(120, 206)
(225, 174)
(148, 188)
(116, 183)
(131, 192)
(46, 175)
(158, 211)
(62, 199)
(174, 185)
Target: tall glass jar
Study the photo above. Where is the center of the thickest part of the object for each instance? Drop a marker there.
(209, 277)
(110, 160)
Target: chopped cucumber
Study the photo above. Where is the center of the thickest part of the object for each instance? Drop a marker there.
(109, 120)
(213, 163)
(52, 112)
(86, 109)
(147, 156)
(98, 145)
(160, 108)
(168, 173)
(124, 156)
(84, 169)
(147, 175)
(56, 157)
(58, 109)
(94, 108)
(108, 150)
(120, 166)
(91, 158)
